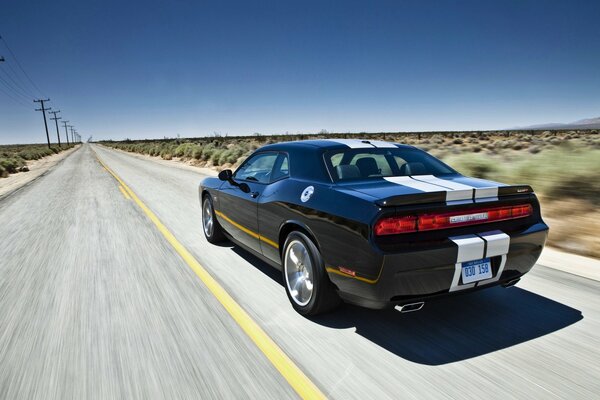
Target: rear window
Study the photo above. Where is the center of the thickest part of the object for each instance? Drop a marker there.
(354, 164)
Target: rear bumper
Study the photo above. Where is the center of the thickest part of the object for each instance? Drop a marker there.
(425, 274)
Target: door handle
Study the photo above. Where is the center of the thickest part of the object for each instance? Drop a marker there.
(254, 195)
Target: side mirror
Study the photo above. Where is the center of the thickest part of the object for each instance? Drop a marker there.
(225, 175)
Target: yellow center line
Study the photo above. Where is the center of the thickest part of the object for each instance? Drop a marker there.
(305, 388)
(124, 192)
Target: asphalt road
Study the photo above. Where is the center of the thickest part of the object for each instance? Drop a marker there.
(95, 303)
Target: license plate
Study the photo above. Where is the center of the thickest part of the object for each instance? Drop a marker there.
(473, 271)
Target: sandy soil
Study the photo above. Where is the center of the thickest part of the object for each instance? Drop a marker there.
(36, 168)
(574, 226)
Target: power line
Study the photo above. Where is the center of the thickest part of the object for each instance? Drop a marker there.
(56, 122)
(16, 80)
(14, 90)
(20, 66)
(15, 99)
(43, 110)
(17, 84)
(19, 78)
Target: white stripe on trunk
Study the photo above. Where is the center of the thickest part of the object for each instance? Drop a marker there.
(458, 191)
(442, 182)
(433, 184)
(412, 183)
(481, 193)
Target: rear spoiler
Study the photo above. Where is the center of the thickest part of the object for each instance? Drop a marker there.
(442, 196)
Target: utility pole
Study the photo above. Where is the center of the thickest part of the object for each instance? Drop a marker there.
(43, 110)
(72, 136)
(66, 132)
(56, 122)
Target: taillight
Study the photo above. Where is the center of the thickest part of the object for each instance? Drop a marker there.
(394, 225)
(435, 221)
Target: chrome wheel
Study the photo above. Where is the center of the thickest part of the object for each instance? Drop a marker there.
(298, 270)
(207, 218)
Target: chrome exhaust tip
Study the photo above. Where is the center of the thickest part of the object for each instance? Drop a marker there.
(405, 308)
(511, 283)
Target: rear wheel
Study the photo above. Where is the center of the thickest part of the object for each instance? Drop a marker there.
(306, 282)
(212, 229)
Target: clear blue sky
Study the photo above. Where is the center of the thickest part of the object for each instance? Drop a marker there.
(144, 69)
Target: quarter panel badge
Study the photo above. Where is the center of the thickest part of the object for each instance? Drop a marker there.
(307, 194)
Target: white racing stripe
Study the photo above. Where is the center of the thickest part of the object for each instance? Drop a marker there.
(412, 183)
(433, 185)
(364, 143)
(486, 192)
(442, 182)
(498, 244)
(470, 247)
(454, 190)
(458, 191)
(476, 247)
(352, 143)
(380, 144)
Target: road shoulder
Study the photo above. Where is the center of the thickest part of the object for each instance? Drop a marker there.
(37, 168)
(585, 267)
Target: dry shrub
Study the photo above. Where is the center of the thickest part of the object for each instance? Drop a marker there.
(574, 225)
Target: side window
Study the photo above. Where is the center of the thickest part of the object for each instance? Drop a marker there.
(257, 168)
(336, 159)
(282, 168)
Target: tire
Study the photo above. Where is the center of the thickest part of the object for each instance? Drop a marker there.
(306, 282)
(211, 227)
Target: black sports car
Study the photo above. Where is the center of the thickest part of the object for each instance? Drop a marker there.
(372, 223)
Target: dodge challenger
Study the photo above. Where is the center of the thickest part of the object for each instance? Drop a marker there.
(372, 223)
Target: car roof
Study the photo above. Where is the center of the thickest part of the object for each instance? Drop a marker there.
(332, 144)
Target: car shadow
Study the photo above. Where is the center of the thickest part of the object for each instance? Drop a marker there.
(258, 264)
(449, 329)
(457, 328)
